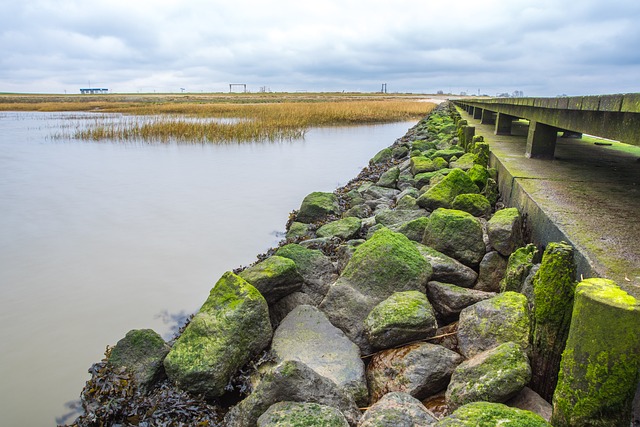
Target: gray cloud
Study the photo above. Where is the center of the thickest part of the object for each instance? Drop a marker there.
(545, 47)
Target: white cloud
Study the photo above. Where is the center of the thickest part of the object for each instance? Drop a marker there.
(544, 48)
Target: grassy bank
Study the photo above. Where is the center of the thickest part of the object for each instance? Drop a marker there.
(258, 117)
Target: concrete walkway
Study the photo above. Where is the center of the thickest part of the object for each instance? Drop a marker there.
(588, 195)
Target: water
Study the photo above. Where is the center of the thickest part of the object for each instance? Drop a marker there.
(97, 238)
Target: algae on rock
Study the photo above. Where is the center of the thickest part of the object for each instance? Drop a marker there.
(442, 194)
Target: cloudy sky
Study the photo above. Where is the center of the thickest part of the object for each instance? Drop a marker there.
(540, 47)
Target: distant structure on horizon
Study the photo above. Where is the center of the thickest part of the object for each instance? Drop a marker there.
(93, 91)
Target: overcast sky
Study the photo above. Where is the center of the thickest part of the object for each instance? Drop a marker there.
(540, 47)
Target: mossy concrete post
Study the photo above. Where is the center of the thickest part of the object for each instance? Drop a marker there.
(553, 289)
(599, 369)
(469, 132)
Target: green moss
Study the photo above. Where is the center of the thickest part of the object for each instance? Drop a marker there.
(481, 149)
(382, 156)
(518, 267)
(448, 153)
(599, 369)
(457, 234)
(421, 164)
(407, 308)
(304, 258)
(479, 175)
(466, 162)
(389, 178)
(317, 206)
(485, 414)
(423, 145)
(346, 228)
(414, 230)
(297, 230)
(475, 204)
(294, 414)
(442, 194)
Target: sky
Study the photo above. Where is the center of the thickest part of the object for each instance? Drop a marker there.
(539, 47)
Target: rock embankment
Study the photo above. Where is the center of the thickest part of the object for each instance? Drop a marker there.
(404, 298)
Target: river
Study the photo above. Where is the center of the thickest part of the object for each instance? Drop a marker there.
(97, 238)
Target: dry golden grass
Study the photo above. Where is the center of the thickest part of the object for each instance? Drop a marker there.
(192, 118)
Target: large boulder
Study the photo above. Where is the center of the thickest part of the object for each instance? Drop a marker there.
(457, 234)
(442, 194)
(481, 414)
(291, 381)
(318, 206)
(449, 300)
(421, 370)
(529, 400)
(389, 179)
(479, 175)
(231, 327)
(505, 231)
(399, 216)
(475, 204)
(421, 164)
(493, 376)
(401, 318)
(486, 324)
(316, 269)
(346, 228)
(296, 414)
(306, 335)
(464, 162)
(141, 352)
(492, 268)
(397, 409)
(414, 230)
(386, 263)
(447, 269)
(275, 277)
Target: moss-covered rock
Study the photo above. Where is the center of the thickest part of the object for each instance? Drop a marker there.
(231, 327)
(442, 194)
(449, 300)
(447, 269)
(478, 175)
(400, 152)
(487, 414)
(399, 216)
(465, 162)
(492, 268)
(346, 228)
(518, 267)
(298, 230)
(475, 204)
(397, 409)
(274, 278)
(491, 191)
(389, 178)
(493, 376)
(457, 234)
(481, 149)
(600, 365)
(382, 156)
(505, 231)
(407, 202)
(421, 164)
(494, 321)
(401, 318)
(296, 414)
(423, 145)
(449, 153)
(141, 352)
(414, 230)
(318, 206)
(440, 163)
(359, 211)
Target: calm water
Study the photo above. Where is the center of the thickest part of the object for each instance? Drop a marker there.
(97, 238)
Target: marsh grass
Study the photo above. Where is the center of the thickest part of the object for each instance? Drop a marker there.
(197, 118)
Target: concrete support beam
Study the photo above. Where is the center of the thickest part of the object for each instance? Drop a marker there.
(488, 117)
(477, 113)
(503, 124)
(541, 141)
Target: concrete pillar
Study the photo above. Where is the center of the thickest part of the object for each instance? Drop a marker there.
(503, 124)
(599, 368)
(541, 141)
(477, 113)
(488, 117)
(468, 132)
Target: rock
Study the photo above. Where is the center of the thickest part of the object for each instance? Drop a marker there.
(457, 234)
(401, 318)
(345, 229)
(480, 414)
(481, 149)
(475, 204)
(447, 269)
(291, 381)
(529, 400)
(231, 327)
(518, 267)
(422, 179)
(408, 192)
(141, 353)
(491, 191)
(316, 269)
(527, 286)
(465, 162)
(440, 163)
(442, 194)
(358, 211)
(505, 231)
(420, 369)
(275, 277)
(479, 175)
(400, 152)
(397, 410)
(421, 164)
(407, 202)
(318, 206)
(295, 414)
(486, 324)
(389, 179)
(306, 335)
(495, 375)
(375, 192)
(386, 263)
(449, 153)
(281, 308)
(423, 145)
(399, 216)
(298, 230)
(449, 300)
(382, 156)
(492, 268)
(414, 230)
(447, 337)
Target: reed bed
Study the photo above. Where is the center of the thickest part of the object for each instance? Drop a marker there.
(195, 120)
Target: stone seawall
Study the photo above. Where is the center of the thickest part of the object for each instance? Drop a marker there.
(409, 296)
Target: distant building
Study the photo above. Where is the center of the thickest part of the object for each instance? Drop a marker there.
(93, 91)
